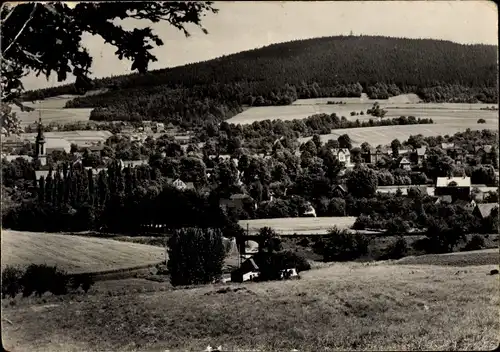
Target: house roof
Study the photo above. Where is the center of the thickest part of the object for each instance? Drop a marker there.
(486, 208)
(45, 173)
(447, 145)
(57, 143)
(338, 150)
(486, 148)
(460, 181)
(239, 196)
(342, 187)
(421, 151)
(404, 160)
(444, 199)
(11, 158)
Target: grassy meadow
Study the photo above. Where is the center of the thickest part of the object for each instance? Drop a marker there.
(75, 253)
(289, 226)
(342, 306)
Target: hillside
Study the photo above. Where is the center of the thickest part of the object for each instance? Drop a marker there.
(75, 253)
(343, 306)
(278, 74)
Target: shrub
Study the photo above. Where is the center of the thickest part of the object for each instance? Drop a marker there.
(303, 242)
(11, 281)
(397, 226)
(196, 256)
(481, 121)
(43, 278)
(341, 245)
(396, 250)
(85, 281)
(271, 264)
(475, 243)
(362, 222)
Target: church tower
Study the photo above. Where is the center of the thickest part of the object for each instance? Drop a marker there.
(40, 144)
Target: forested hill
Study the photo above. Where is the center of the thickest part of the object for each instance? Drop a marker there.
(278, 74)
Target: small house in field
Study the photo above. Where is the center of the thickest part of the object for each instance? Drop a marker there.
(483, 210)
(456, 187)
(310, 212)
(248, 271)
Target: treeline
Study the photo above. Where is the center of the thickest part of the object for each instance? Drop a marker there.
(71, 198)
(342, 66)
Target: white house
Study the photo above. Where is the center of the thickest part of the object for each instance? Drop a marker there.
(343, 155)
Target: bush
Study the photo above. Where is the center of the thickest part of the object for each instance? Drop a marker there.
(362, 222)
(481, 121)
(85, 281)
(11, 281)
(396, 250)
(475, 243)
(341, 245)
(271, 264)
(43, 278)
(196, 256)
(397, 226)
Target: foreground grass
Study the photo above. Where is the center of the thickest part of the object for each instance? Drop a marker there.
(349, 306)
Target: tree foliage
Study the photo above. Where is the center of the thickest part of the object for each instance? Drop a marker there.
(196, 256)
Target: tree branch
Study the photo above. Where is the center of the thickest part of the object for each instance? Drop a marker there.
(22, 29)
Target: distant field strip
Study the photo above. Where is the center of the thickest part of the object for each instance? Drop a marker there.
(289, 226)
(385, 134)
(75, 253)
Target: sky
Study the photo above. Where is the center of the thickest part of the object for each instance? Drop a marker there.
(240, 26)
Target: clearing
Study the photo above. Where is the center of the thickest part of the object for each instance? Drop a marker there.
(75, 253)
(385, 134)
(52, 110)
(290, 226)
(341, 306)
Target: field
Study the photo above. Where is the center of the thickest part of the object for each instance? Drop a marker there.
(350, 306)
(77, 137)
(75, 253)
(385, 134)
(289, 226)
(52, 110)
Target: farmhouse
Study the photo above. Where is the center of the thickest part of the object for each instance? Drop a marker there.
(248, 271)
(404, 163)
(237, 202)
(483, 210)
(419, 154)
(456, 187)
(180, 185)
(447, 146)
(343, 155)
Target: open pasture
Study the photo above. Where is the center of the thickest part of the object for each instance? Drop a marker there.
(53, 115)
(52, 110)
(385, 134)
(406, 105)
(341, 306)
(77, 137)
(75, 253)
(400, 99)
(289, 226)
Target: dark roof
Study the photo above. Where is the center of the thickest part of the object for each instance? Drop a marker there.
(444, 199)
(486, 208)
